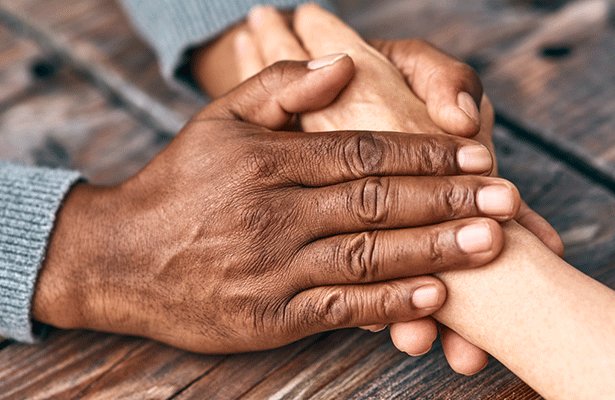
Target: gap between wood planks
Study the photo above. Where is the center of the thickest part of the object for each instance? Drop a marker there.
(566, 156)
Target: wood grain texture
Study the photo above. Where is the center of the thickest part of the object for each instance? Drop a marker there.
(75, 126)
(61, 366)
(95, 37)
(237, 374)
(153, 371)
(16, 58)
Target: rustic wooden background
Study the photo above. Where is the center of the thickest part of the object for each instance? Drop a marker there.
(78, 89)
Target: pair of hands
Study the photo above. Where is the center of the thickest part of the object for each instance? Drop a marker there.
(398, 85)
(241, 236)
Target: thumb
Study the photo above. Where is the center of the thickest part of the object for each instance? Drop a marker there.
(270, 98)
(536, 224)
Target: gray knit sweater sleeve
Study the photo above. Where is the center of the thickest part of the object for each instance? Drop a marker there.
(172, 27)
(29, 200)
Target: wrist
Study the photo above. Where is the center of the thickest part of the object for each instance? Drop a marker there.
(70, 289)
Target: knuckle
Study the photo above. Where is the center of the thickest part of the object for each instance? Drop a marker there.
(335, 309)
(433, 157)
(436, 248)
(390, 301)
(456, 200)
(358, 258)
(371, 201)
(364, 154)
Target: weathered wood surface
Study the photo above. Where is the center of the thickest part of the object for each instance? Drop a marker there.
(95, 37)
(99, 106)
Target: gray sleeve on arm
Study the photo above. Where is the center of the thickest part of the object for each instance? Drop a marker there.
(29, 200)
(172, 27)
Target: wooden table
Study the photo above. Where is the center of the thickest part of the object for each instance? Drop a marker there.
(78, 89)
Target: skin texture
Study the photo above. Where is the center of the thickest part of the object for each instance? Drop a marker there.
(240, 236)
(550, 324)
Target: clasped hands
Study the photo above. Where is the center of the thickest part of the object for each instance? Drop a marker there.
(245, 234)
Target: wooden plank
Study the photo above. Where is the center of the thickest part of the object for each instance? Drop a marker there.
(95, 37)
(312, 369)
(252, 368)
(153, 370)
(558, 83)
(61, 365)
(16, 59)
(63, 122)
(458, 27)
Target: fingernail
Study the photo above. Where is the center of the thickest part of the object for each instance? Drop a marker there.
(467, 104)
(325, 61)
(474, 159)
(375, 328)
(496, 200)
(474, 238)
(426, 297)
(421, 354)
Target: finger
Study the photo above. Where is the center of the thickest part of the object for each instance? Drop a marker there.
(328, 158)
(391, 254)
(314, 24)
(536, 224)
(273, 36)
(344, 306)
(270, 98)
(451, 89)
(247, 56)
(463, 357)
(404, 201)
(414, 338)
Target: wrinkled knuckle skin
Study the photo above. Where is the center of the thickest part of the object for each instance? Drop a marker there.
(335, 310)
(391, 301)
(456, 200)
(358, 258)
(437, 247)
(371, 200)
(364, 154)
(434, 158)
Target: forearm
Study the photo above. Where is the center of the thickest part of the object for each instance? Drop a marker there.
(551, 325)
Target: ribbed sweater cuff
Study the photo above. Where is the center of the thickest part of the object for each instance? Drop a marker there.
(172, 27)
(29, 200)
